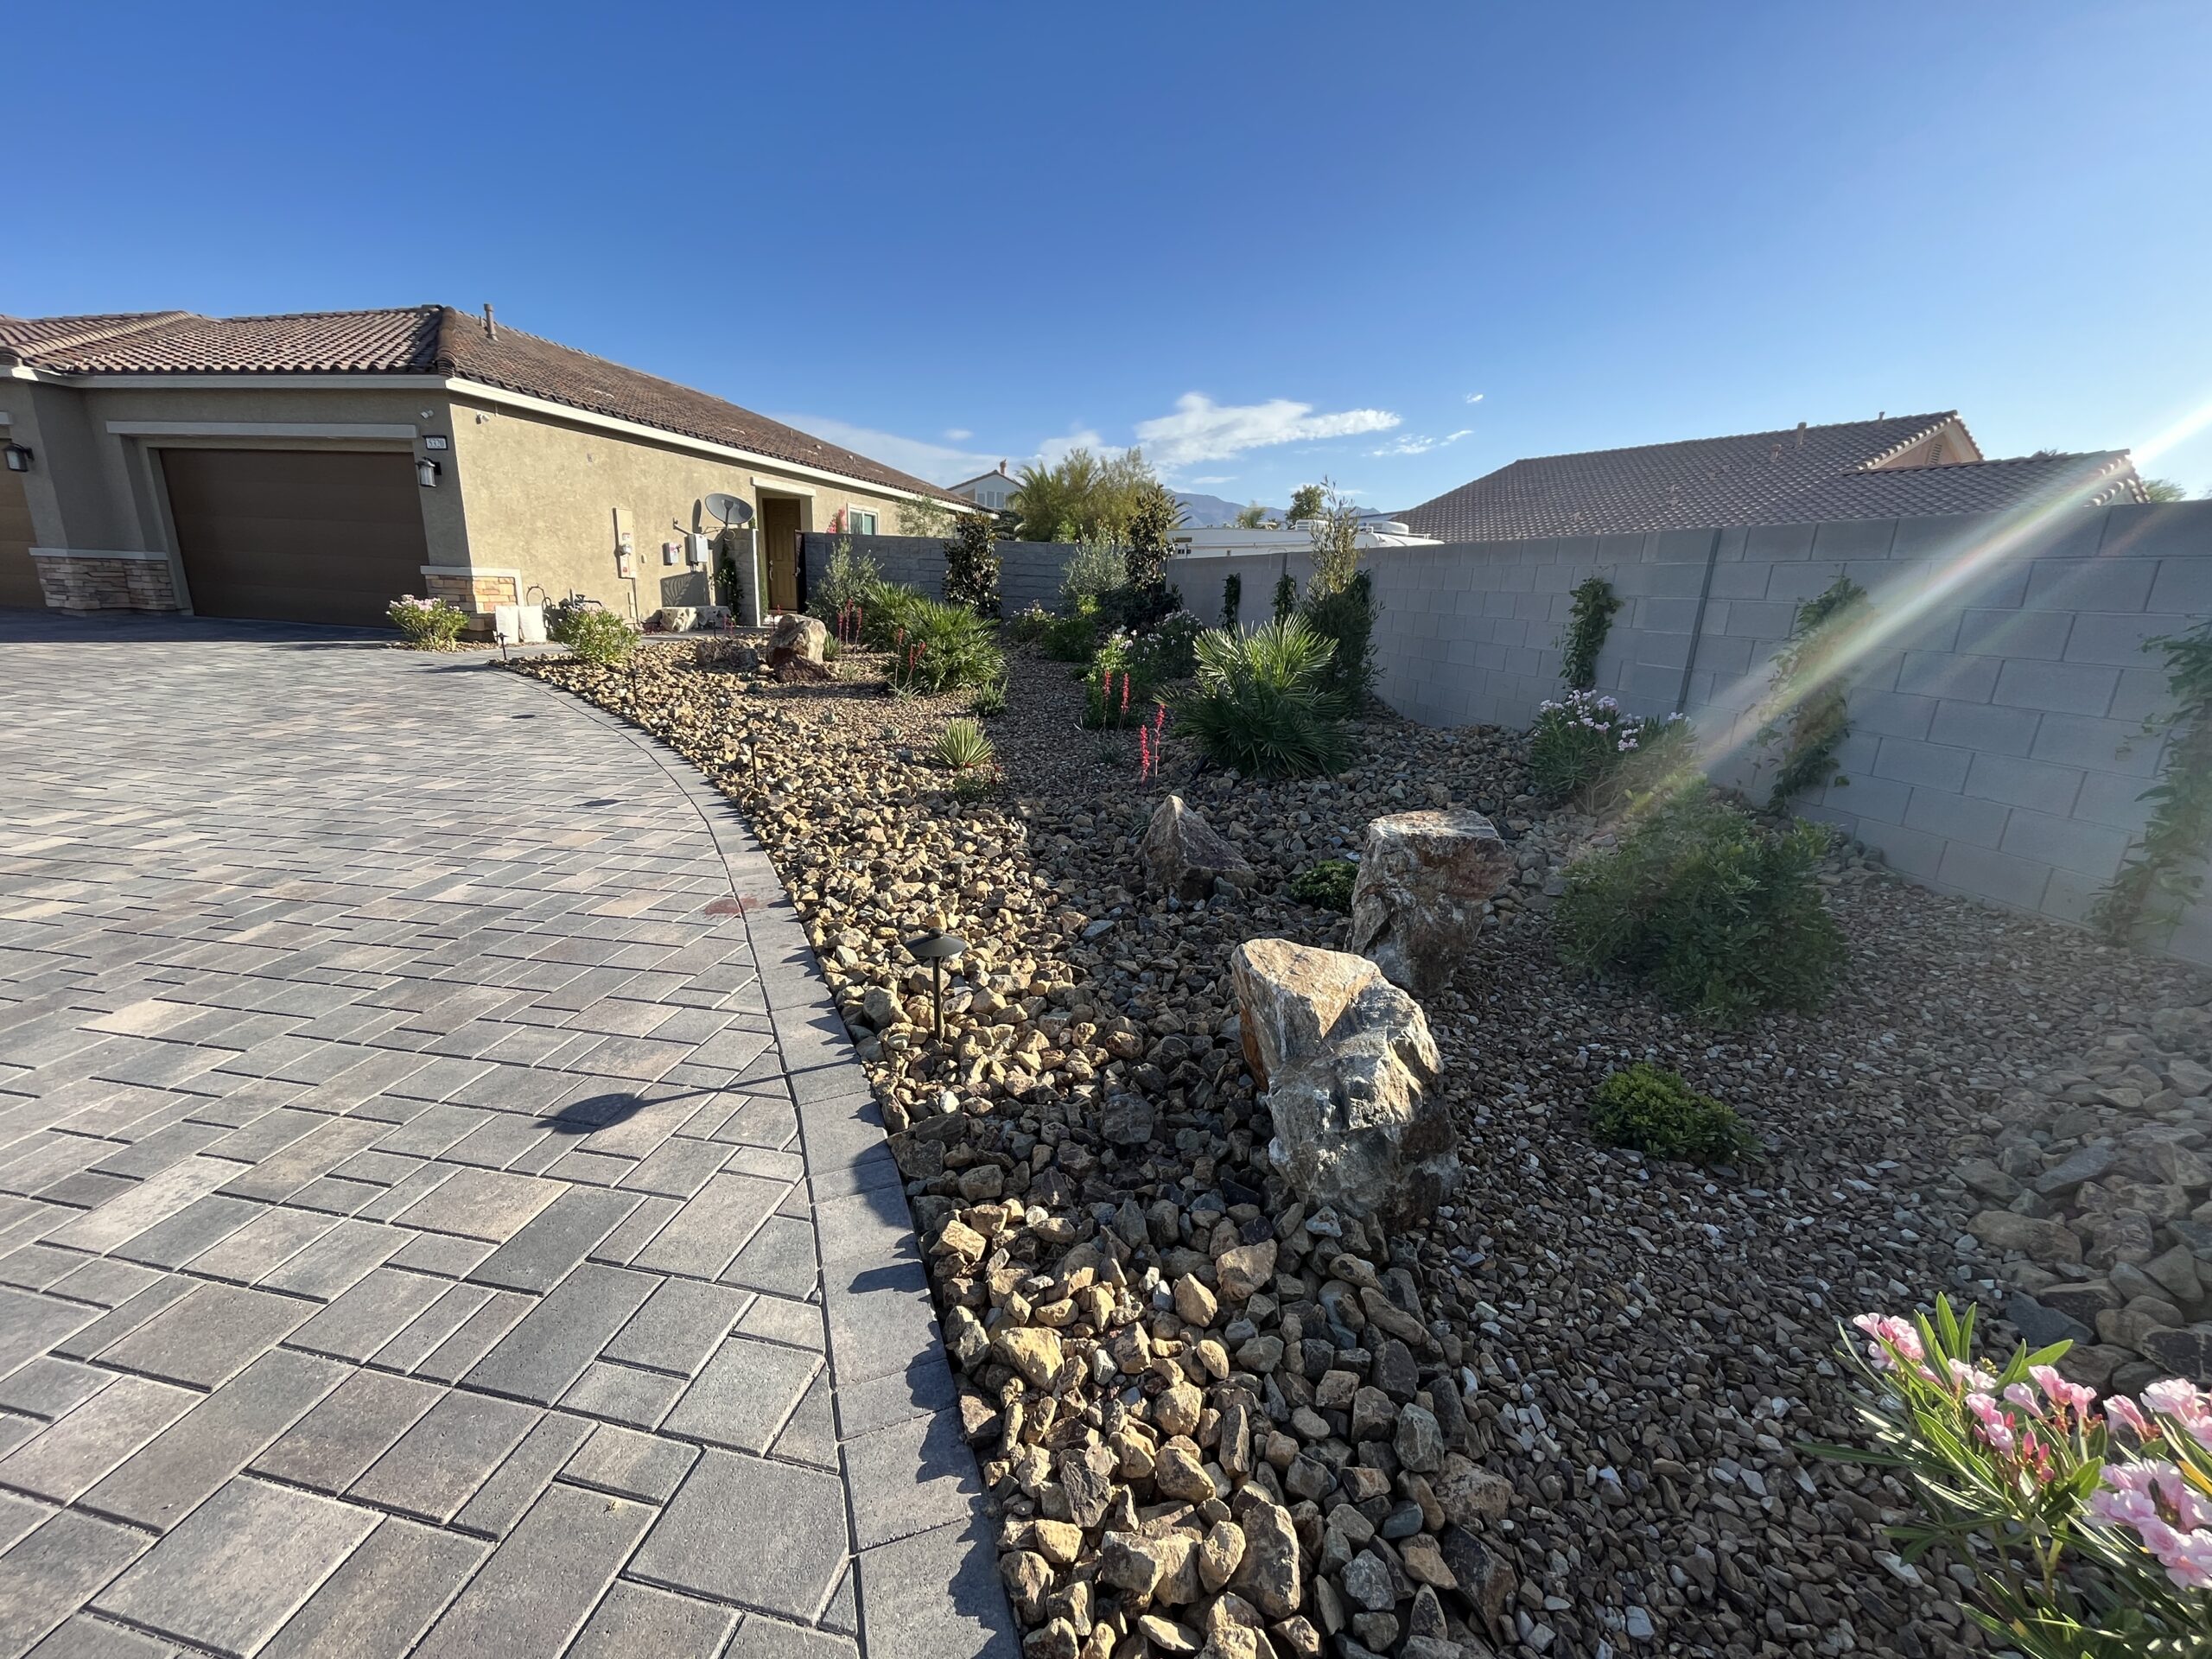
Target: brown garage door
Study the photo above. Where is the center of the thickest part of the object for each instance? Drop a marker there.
(18, 576)
(297, 536)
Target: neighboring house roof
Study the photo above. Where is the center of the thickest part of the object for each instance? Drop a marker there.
(995, 476)
(420, 340)
(1854, 469)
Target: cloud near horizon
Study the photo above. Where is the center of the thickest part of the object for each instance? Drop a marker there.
(1415, 444)
(1201, 430)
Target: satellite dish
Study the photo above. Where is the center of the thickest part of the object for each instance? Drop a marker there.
(729, 509)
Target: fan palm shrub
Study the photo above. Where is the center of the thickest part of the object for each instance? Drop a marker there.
(1260, 702)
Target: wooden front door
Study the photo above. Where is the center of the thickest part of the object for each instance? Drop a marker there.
(779, 522)
(18, 573)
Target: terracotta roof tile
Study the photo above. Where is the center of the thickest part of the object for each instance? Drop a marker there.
(422, 339)
(1793, 476)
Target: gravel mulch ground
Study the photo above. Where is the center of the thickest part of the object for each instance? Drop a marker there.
(1567, 1417)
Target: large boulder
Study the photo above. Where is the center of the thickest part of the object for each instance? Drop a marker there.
(1348, 1063)
(796, 639)
(1424, 878)
(1183, 855)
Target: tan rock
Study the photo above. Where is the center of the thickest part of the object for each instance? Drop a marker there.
(1176, 1410)
(1220, 1553)
(1424, 878)
(1032, 1350)
(1471, 1493)
(1194, 1303)
(1349, 1065)
(2038, 1239)
(1178, 1472)
(1246, 1270)
(794, 637)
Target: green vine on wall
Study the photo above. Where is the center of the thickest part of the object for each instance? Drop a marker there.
(1587, 624)
(1808, 677)
(2164, 872)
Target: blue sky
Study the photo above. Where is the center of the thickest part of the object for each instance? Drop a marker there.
(1399, 246)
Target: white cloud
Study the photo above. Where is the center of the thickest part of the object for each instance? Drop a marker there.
(1415, 444)
(957, 435)
(1474, 397)
(1052, 451)
(939, 463)
(1215, 478)
(1201, 430)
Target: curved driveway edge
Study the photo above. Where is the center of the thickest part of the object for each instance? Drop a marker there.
(439, 1210)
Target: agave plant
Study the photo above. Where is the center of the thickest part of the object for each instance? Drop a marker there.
(963, 745)
(1260, 701)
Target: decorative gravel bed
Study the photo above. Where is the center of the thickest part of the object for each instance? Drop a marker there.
(1570, 1416)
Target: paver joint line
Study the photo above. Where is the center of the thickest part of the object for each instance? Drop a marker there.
(410, 1229)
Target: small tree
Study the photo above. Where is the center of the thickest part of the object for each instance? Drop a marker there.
(1334, 527)
(1156, 516)
(1233, 599)
(1285, 601)
(1307, 501)
(971, 565)
(1252, 517)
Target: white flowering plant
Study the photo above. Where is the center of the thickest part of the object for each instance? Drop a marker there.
(427, 624)
(1586, 741)
(2087, 1527)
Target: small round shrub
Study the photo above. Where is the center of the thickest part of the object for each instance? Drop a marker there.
(1072, 638)
(934, 646)
(1344, 616)
(989, 700)
(1327, 885)
(1586, 747)
(1027, 627)
(1652, 1110)
(1717, 915)
(597, 636)
(849, 584)
(427, 624)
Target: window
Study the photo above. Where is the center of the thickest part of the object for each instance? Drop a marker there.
(861, 523)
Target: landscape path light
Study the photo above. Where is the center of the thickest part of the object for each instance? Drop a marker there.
(936, 949)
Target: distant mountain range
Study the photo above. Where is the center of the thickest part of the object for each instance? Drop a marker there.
(1202, 511)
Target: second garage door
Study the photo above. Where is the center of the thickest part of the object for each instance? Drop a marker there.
(297, 536)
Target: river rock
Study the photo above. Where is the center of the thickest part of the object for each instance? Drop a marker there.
(1183, 857)
(1349, 1065)
(2032, 1236)
(1424, 878)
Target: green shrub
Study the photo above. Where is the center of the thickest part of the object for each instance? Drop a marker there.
(1717, 915)
(848, 579)
(1028, 627)
(989, 700)
(1653, 1110)
(427, 624)
(1096, 569)
(961, 745)
(1285, 601)
(1259, 702)
(1072, 638)
(597, 636)
(1170, 651)
(1345, 618)
(1233, 599)
(971, 565)
(1327, 885)
(1588, 748)
(1589, 620)
(1154, 517)
(934, 646)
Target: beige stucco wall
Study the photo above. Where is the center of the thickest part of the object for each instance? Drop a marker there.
(96, 490)
(542, 495)
(533, 493)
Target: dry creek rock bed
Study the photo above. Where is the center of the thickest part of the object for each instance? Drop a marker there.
(1570, 1416)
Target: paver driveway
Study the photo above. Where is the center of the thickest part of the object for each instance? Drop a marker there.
(439, 1211)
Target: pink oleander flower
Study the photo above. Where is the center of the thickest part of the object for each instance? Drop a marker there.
(1996, 1428)
(2066, 1396)
(1892, 1339)
(2020, 1395)
(1972, 1377)
(2121, 1409)
(2172, 1397)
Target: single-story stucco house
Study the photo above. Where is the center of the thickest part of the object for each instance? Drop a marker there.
(312, 467)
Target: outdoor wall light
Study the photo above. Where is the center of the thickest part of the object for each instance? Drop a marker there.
(19, 458)
(936, 949)
(426, 472)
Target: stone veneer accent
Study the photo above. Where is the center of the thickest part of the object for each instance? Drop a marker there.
(80, 584)
(476, 593)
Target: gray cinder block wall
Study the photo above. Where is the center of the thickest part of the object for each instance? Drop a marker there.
(1996, 746)
(1029, 572)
